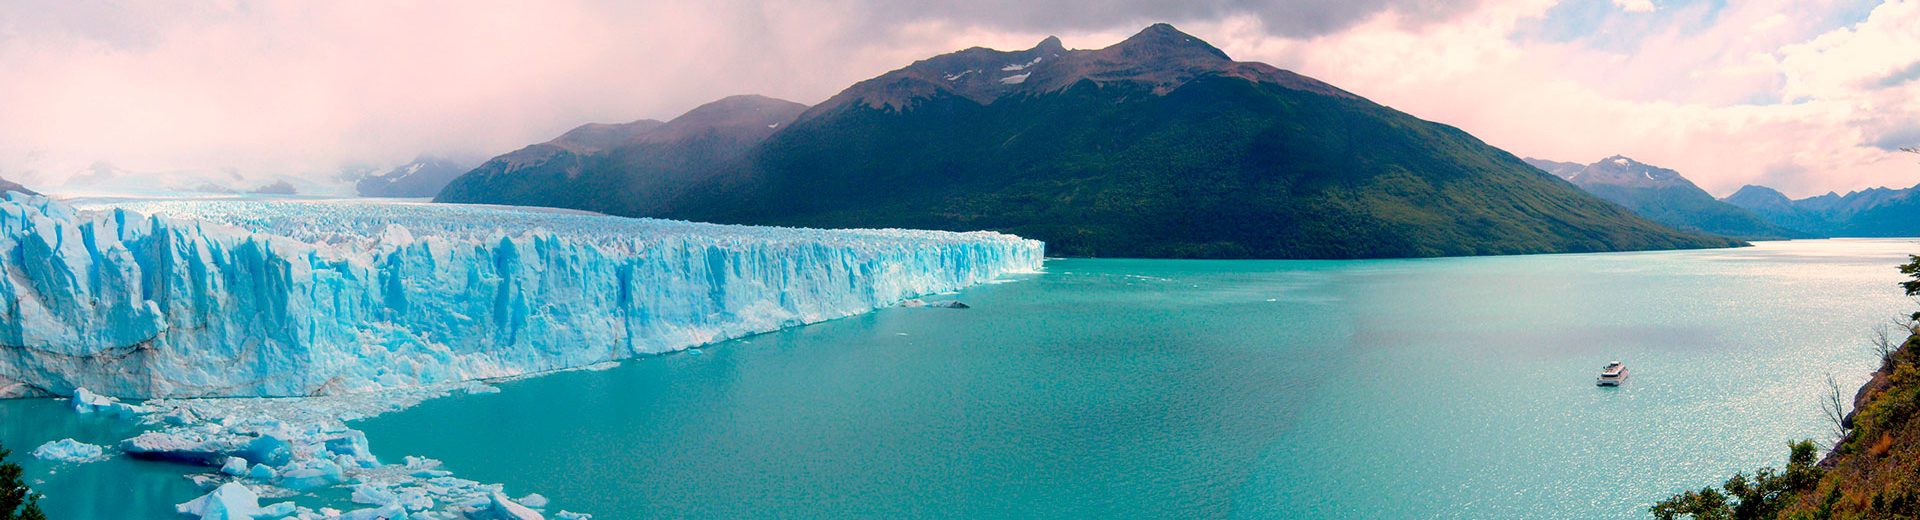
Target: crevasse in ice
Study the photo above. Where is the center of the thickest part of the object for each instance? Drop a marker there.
(287, 298)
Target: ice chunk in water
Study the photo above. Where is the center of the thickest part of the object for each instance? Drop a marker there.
(69, 450)
(235, 466)
(500, 507)
(231, 501)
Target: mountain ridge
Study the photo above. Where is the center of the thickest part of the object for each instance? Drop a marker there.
(424, 176)
(1157, 146)
(1872, 212)
(606, 165)
(1664, 196)
(7, 185)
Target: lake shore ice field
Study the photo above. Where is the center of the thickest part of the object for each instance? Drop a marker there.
(356, 308)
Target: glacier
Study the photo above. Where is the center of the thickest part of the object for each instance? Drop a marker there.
(305, 315)
(262, 298)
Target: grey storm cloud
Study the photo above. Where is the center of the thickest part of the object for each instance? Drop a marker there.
(1902, 76)
(1898, 138)
(1293, 18)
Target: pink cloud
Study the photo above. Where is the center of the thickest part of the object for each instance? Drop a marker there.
(1762, 93)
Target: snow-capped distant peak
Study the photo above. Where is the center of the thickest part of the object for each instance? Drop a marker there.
(1621, 161)
(956, 77)
(1016, 78)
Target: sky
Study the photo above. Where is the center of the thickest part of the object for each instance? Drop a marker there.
(1806, 96)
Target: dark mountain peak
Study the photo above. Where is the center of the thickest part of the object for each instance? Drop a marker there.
(1160, 58)
(6, 186)
(747, 116)
(1162, 41)
(1753, 195)
(432, 160)
(634, 167)
(600, 136)
(1620, 170)
(740, 103)
(1050, 45)
(422, 177)
(1564, 170)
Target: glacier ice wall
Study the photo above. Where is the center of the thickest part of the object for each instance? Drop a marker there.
(286, 298)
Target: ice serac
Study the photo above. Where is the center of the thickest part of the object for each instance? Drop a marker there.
(279, 298)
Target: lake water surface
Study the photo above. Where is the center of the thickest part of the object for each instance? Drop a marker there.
(1441, 388)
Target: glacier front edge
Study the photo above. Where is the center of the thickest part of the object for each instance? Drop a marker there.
(232, 298)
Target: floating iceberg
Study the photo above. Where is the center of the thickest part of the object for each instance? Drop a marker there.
(502, 508)
(231, 501)
(181, 447)
(69, 450)
(291, 298)
(235, 466)
(89, 402)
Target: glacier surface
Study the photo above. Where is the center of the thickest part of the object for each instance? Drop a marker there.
(211, 298)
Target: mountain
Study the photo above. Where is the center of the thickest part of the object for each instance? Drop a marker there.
(1158, 146)
(276, 188)
(537, 175)
(1564, 170)
(7, 185)
(104, 179)
(615, 168)
(1875, 212)
(1664, 196)
(1779, 210)
(424, 177)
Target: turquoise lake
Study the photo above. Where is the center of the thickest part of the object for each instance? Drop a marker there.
(1436, 388)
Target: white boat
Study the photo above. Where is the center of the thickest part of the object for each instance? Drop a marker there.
(1612, 375)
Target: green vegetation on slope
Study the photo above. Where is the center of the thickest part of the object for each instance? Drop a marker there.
(1220, 167)
(1159, 146)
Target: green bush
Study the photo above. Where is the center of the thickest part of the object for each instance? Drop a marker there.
(16, 501)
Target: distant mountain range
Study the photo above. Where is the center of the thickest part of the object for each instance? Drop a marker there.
(641, 168)
(1753, 212)
(1158, 146)
(424, 177)
(1876, 212)
(7, 185)
(1666, 197)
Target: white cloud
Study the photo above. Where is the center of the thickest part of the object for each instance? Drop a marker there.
(1794, 105)
(1635, 6)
